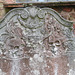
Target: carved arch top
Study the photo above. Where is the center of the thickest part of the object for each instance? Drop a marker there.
(33, 11)
(33, 29)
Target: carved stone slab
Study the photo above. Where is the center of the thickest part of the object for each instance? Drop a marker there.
(34, 41)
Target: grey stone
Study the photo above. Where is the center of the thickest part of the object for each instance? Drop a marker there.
(33, 37)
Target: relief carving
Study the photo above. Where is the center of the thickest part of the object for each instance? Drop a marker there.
(56, 39)
(55, 46)
(34, 41)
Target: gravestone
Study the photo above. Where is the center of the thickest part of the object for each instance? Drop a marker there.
(36, 41)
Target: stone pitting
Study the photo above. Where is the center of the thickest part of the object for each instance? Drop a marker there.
(38, 39)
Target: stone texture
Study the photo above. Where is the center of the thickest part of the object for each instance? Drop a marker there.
(54, 44)
(65, 12)
(34, 41)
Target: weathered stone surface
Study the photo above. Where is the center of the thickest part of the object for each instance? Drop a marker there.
(65, 15)
(34, 41)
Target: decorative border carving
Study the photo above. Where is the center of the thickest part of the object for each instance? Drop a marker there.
(18, 11)
(39, 35)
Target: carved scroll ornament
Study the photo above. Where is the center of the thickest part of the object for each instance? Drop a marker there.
(36, 40)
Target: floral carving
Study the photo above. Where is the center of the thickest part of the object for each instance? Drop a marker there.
(15, 45)
(33, 41)
(55, 46)
(33, 11)
(57, 38)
